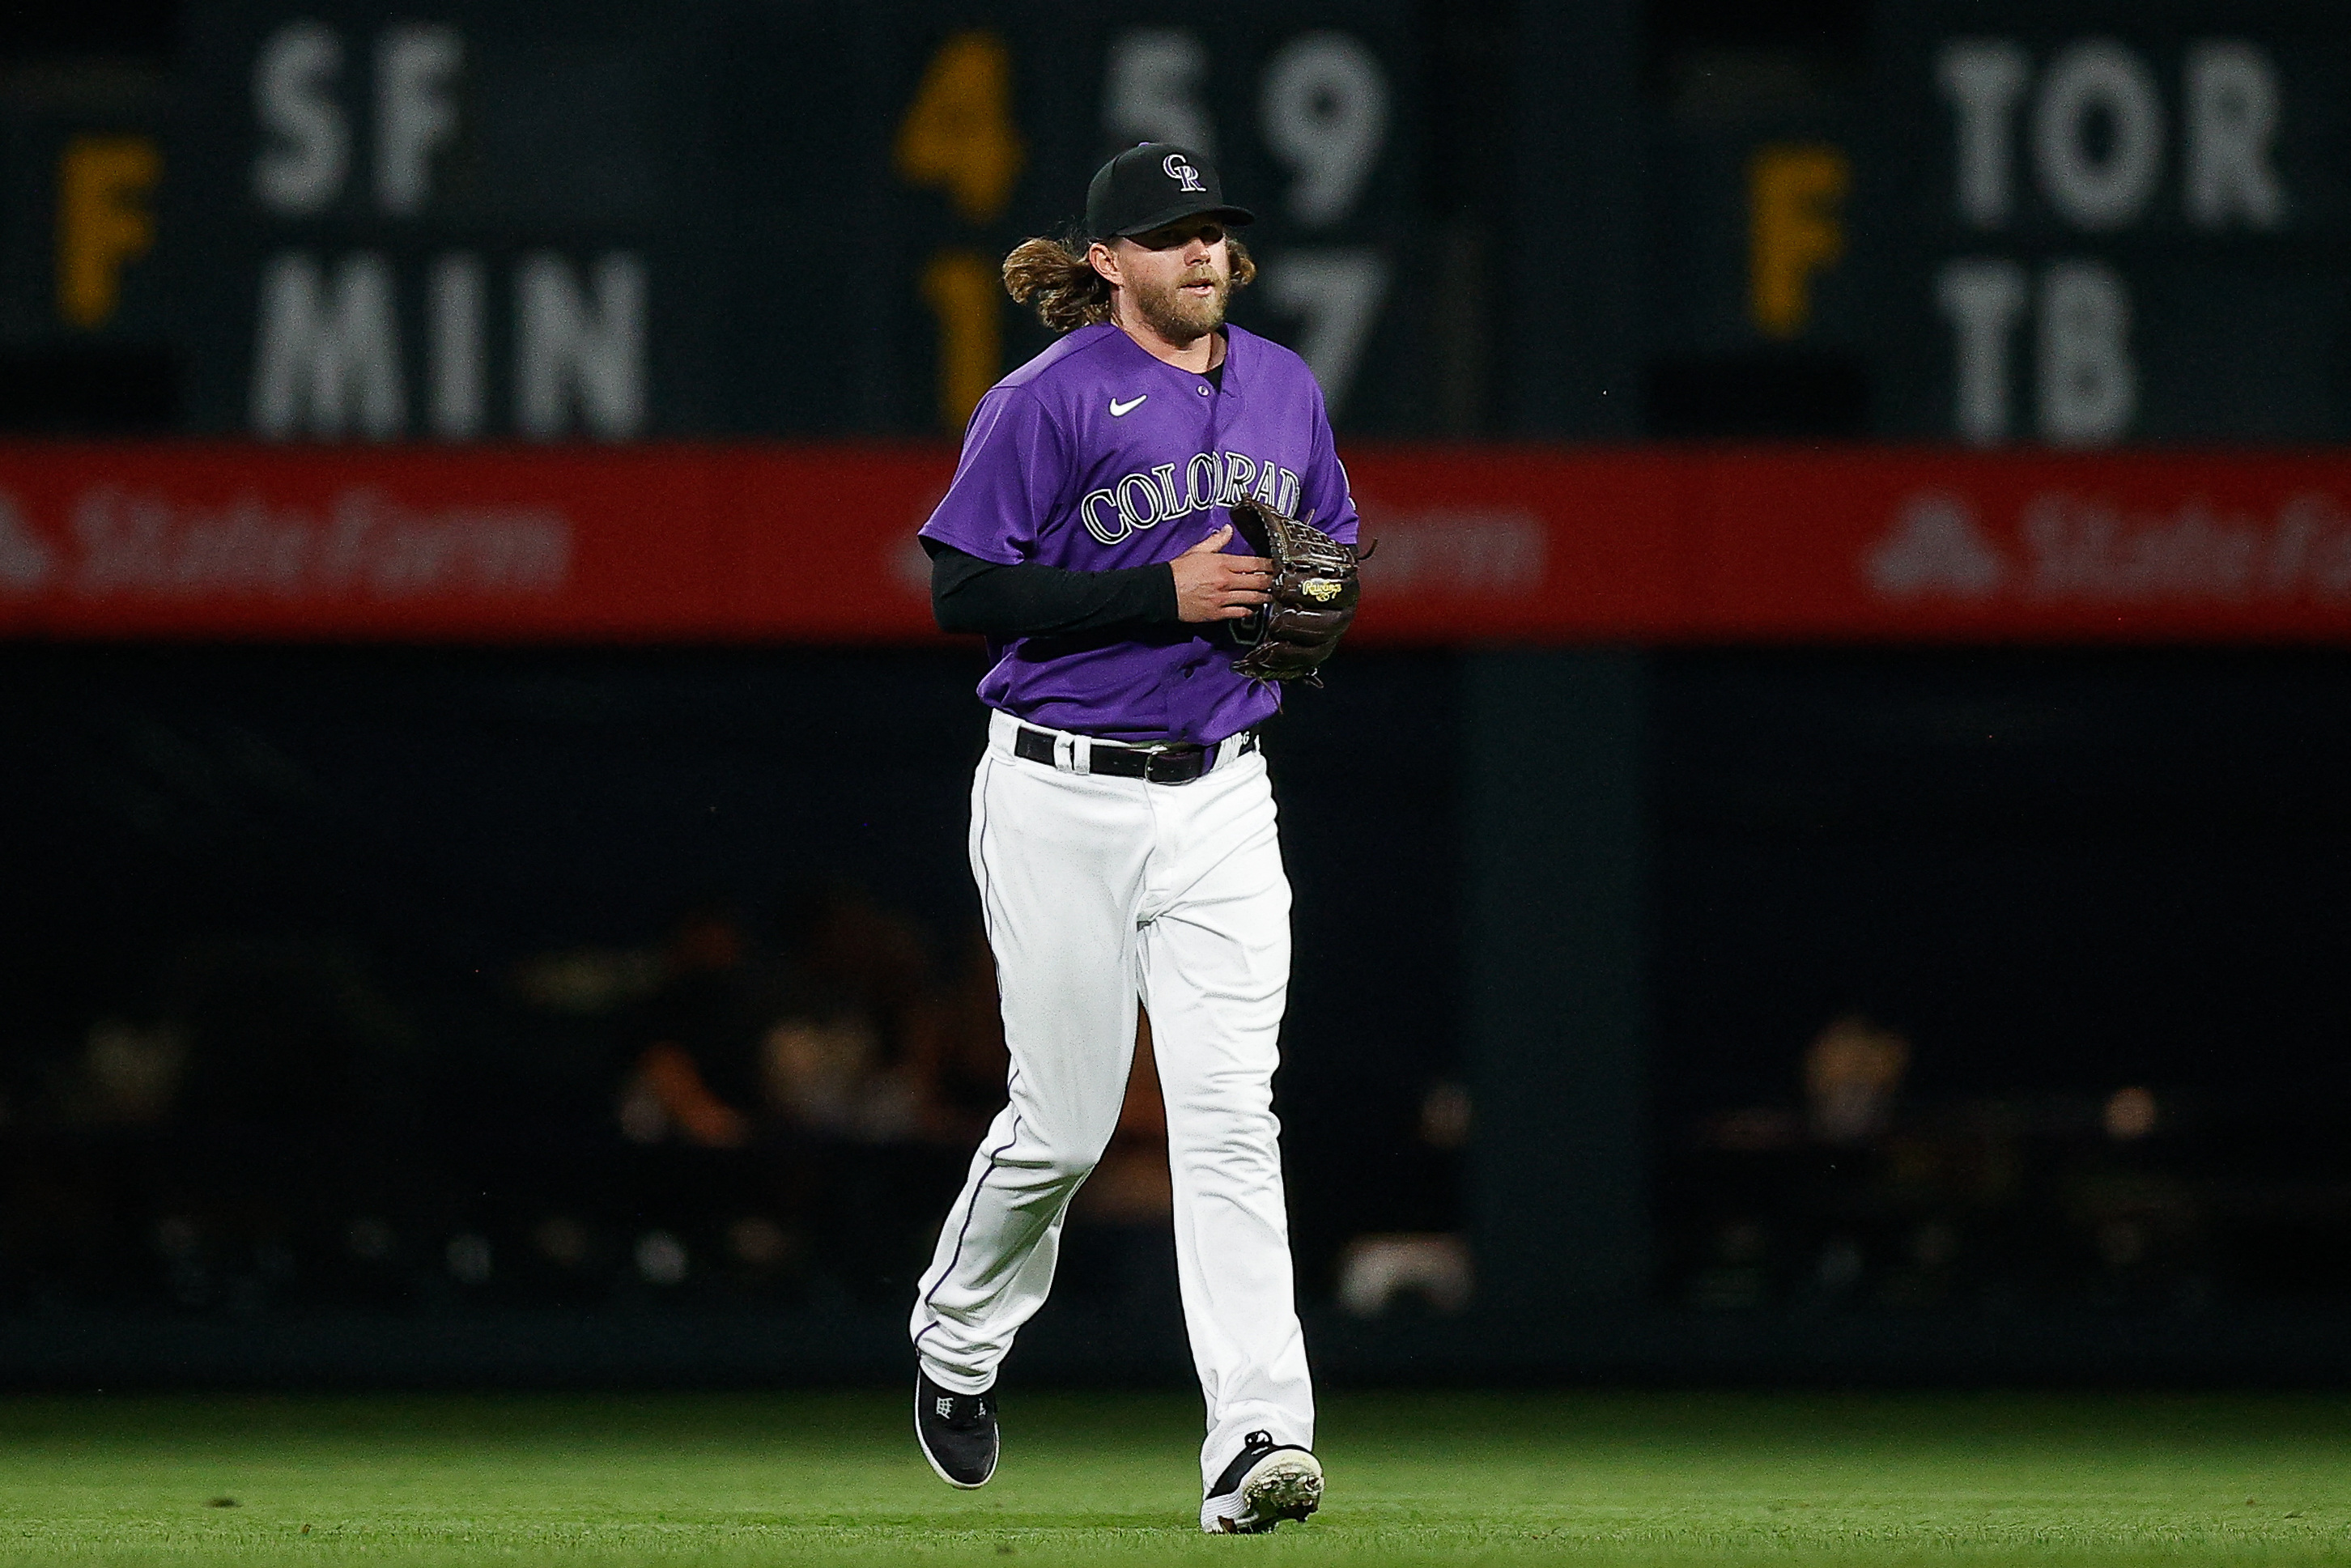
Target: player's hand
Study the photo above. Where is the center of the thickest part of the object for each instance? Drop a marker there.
(1212, 586)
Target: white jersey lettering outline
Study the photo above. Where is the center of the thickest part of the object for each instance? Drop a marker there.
(1240, 472)
(1130, 512)
(1201, 492)
(1147, 498)
(1269, 485)
(1109, 533)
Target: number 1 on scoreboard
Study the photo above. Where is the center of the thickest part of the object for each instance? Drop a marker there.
(958, 136)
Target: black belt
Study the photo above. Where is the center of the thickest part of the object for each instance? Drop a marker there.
(1175, 762)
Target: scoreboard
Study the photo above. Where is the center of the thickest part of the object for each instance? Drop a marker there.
(2074, 223)
(478, 221)
(1994, 223)
(2093, 223)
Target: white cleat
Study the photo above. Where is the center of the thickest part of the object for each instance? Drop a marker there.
(1265, 1483)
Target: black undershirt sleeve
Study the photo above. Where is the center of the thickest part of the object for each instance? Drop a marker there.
(968, 594)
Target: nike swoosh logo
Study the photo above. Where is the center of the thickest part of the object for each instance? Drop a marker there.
(1120, 409)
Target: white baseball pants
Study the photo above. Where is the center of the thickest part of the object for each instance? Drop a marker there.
(1100, 893)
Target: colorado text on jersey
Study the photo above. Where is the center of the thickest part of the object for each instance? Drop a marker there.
(1143, 500)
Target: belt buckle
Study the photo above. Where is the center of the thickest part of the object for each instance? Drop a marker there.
(1170, 755)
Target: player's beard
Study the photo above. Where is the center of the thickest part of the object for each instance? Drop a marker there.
(1178, 317)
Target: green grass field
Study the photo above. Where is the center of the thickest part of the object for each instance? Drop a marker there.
(1414, 1478)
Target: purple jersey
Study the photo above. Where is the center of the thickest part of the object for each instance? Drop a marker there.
(1095, 455)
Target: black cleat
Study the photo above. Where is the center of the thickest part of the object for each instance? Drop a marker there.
(958, 1432)
(1265, 1483)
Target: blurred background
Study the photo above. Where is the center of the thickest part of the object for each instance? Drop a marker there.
(1824, 857)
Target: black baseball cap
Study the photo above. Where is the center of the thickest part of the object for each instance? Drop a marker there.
(1152, 186)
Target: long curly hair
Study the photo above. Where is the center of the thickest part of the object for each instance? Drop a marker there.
(1052, 273)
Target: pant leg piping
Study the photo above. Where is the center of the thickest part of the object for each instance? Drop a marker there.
(971, 1212)
(1012, 1078)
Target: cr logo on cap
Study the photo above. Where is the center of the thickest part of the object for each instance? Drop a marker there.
(1187, 177)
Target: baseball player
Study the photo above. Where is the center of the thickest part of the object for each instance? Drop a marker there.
(1123, 830)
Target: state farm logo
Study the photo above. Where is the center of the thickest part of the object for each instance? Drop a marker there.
(1936, 547)
(26, 559)
(362, 543)
(2065, 546)
(2089, 548)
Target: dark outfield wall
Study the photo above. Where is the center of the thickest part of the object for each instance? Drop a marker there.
(365, 849)
(2096, 897)
(1969, 1012)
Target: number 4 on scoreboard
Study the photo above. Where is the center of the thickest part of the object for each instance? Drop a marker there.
(958, 133)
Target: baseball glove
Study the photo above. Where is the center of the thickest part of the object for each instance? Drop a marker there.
(1314, 591)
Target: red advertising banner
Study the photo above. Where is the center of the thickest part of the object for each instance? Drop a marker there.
(1502, 544)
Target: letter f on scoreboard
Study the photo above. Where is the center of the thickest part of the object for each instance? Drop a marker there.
(1795, 227)
(103, 221)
